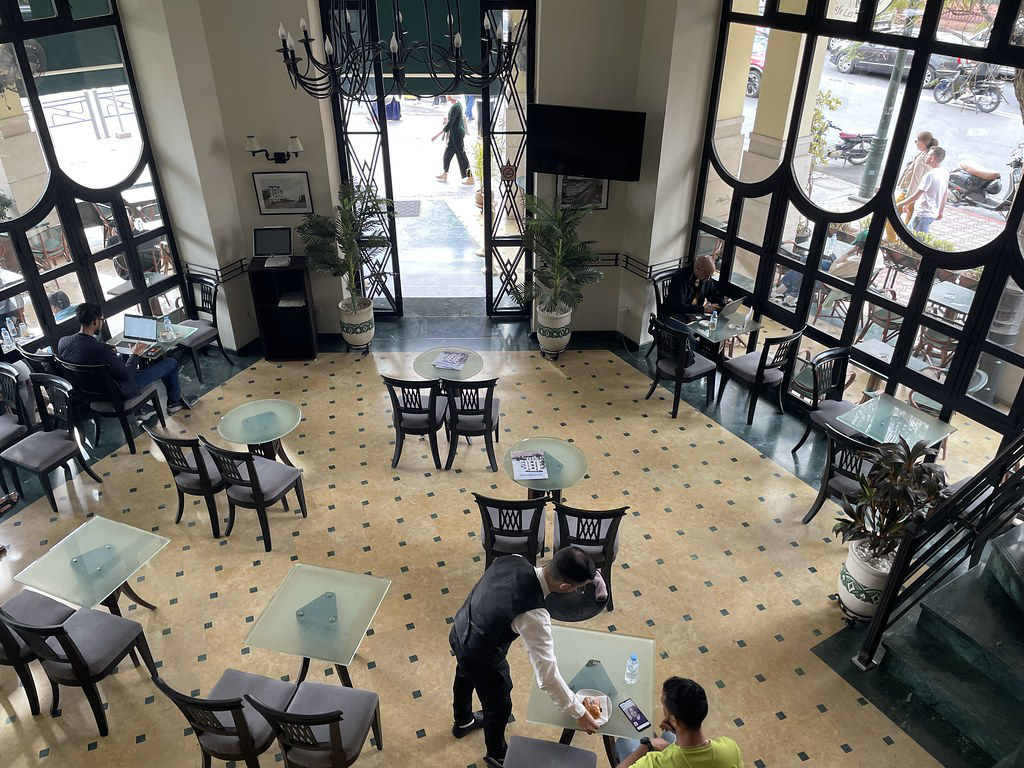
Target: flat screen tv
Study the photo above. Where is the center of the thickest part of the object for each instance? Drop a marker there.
(577, 141)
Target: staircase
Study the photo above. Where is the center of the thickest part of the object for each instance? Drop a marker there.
(964, 656)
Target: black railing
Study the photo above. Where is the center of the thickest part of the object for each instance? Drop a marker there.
(934, 549)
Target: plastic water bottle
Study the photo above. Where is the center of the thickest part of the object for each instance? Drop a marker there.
(5, 336)
(168, 328)
(23, 330)
(713, 322)
(632, 669)
(12, 328)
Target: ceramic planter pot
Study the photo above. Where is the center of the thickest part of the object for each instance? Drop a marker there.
(553, 330)
(480, 198)
(861, 581)
(357, 326)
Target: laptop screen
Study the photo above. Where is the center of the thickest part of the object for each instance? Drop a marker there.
(140, 328)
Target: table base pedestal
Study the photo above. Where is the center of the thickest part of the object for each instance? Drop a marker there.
(272, 450)
(609, 744)
(341, 669)
(110, 603)
(555, 495)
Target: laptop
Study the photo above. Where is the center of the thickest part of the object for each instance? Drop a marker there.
(731, 310)
(138, 328)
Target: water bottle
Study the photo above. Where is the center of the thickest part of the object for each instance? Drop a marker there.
(5, 336)
(632, 669)
(12, 328)
(713, 322)
(23, 330)
(830, 249)
(168, 328)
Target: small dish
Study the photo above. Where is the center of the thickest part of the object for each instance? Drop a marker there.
(605, 704)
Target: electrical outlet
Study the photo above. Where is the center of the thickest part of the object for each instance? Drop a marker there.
(625, 309)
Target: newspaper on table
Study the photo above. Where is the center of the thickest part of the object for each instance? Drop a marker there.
(529, 465)
(451, 360)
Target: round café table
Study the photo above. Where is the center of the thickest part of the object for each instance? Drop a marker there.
(424, 365)
(260, 425)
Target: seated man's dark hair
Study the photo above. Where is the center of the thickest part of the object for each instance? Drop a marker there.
(573, 565)
(686, 701)
(87, 313)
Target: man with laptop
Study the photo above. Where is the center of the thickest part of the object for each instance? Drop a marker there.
(83, 348)
(693, 291)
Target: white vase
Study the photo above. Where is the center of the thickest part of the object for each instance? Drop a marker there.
(861, 582)
(357, 326)
(553, 330)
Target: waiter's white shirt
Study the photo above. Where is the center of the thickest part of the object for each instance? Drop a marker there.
(534, 627)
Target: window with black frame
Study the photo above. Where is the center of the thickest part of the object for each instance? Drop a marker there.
(860, 170)
(82, 216)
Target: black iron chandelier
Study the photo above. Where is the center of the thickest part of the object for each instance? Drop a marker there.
(354, 51)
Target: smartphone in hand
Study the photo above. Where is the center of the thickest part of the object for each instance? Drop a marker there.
(632, 712)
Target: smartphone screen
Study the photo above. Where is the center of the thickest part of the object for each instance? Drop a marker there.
(634, 715)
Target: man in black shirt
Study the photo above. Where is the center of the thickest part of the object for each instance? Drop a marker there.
(83, 348)
(693, 290)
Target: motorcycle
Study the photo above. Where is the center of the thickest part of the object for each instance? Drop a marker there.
(986, 94)
(975, 187)
(852, 147)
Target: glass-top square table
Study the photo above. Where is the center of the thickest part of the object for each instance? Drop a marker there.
(724, 330)
(952, 296)
(885, 419)
(576, 651)
(92, 564)
(181, 332)
(319, 613)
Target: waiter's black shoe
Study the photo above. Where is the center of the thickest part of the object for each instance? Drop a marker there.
(458, 731)
(494, 762)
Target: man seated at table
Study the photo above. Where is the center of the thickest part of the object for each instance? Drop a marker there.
(682, 743)
(83, 348)
(693, 291)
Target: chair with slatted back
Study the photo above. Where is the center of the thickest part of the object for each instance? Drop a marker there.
(204, 291)
(678, 362)
(194, 473)
(828, 380)
(31, 608)
(417, 408)
(846, 462)
(596, 532)
(14, 422)
(512, 527)
(226, 726)
(768, 369)
(473, 411)
(324, 726)
(39, 361)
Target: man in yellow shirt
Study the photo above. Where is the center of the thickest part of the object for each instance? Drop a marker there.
(683, 744)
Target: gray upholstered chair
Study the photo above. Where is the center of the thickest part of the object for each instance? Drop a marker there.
(227, 727)
(13, 419)
(31, 608)
(846, 462)
(768, 369)
(417, 408)
(193, 471)
(207, 332)
(82, 650)
(324, 726)
(512, 527)
(596, 532)
(679, 363)
(473, 411)
(535, 753)
(254, 482)
(827, 375)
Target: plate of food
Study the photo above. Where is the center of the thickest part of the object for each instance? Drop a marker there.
(597, 704)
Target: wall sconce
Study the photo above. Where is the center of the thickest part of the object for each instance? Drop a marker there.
(252, 146)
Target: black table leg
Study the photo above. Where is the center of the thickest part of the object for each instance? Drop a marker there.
(555, 495)
(343, 675)
(135, 596)
(303, 670)
(110, 603)
(566, 737)
(609, 749)
(272, 450)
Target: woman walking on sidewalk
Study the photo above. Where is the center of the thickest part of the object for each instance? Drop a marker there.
(455, 128)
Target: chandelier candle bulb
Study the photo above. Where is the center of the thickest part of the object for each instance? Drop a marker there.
(303, 25)
(281, 32)
(458, 40)
(328, 48)
(394, 43)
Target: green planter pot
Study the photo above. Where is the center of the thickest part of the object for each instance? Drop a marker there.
(553, 331)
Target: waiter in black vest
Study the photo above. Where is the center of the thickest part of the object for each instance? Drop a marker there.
(508, 602)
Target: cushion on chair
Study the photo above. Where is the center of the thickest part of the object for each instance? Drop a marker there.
(105, 406)
(232, 685)
(829, 412)
(535, 753)
(101, 638)
(199, 322)
(274, 477)
(10, 430)
(419, 420)
(357, 707)
(595, 552)
(476, 421)
(701, 366)
(34, 608)
(517, 545)
(745, 367)
(191, 482)
(205, 335)
(41, 450)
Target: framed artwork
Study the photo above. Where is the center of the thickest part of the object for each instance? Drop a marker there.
(577, 190)
(283, 192)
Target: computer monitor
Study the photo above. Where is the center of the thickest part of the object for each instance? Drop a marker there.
(272, 241)
(140, 328)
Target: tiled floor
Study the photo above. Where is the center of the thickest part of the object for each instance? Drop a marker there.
(714, 565)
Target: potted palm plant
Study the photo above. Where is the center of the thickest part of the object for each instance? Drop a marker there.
(564, 263)
(901, 486)
(335, 244)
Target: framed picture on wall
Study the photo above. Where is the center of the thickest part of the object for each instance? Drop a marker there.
(281, 192)
(577, 190)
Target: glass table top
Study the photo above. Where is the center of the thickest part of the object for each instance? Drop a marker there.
(576, 651)
(180, 332)
(879, 349)
(149, 277)
(261, 421)
(952, 296)
(573, 463)
(91, 562)
(724, 330)
(319, 613)
(885, 419)
(424, 365)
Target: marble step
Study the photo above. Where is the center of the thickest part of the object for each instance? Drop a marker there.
(1006, 563)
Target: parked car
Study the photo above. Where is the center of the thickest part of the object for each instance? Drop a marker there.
(871, 57)
(755, 73)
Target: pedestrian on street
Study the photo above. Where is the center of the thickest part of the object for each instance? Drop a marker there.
(931, 195)
(455, 129)
(911, 176)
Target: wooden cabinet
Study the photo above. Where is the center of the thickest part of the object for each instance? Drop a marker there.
(283, 301)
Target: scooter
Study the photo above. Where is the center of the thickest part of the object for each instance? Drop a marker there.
(986, 95)
(975, 187)
(852, 146)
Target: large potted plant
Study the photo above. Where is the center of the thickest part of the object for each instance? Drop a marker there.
(564, 263)
(901, 486)
(335, 244)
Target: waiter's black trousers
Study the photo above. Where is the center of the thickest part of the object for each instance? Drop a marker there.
(493, 686)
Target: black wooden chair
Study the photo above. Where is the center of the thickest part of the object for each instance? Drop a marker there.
(254, 482)
(826, 374)
(768, 369)
(472, 414)
(14, 422)
(845, 463)
(204, 292)
(226, 726)
(595, 531)
(417, 408)
(324, 726)
(95, 385)
(54, 445)
(31, 608)
(83, 650)
(512, 527)
(39, 361)
(678, 362)
(193, 471)
(536, 753)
